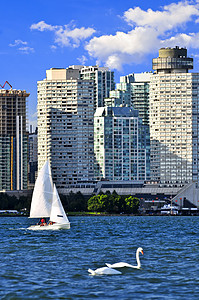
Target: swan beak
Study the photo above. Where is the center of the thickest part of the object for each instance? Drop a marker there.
(142, 252)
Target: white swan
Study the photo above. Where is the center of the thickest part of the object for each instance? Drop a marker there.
(104, 271)
(123, 264)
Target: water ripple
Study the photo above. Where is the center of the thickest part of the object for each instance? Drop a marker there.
(53, 265)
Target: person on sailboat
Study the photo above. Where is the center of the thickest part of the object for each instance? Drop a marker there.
(39, 223)
(51, 223)
(43, 222)
(46, 202)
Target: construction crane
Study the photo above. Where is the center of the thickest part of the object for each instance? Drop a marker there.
(5, 84)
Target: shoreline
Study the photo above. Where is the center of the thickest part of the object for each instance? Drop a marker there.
(110, 215)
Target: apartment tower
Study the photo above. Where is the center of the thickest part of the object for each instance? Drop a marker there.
(65, 126)
(13, 140)
(174, 123)
(103, 80)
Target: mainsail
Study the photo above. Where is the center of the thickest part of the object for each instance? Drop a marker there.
(42, 194)
(57, 211)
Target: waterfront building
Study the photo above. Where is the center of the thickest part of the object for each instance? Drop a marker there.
(103, 80)
(120, 144)
(13, 140)
(133, 91)
(174, 123)
(65, 126)
(32, 156)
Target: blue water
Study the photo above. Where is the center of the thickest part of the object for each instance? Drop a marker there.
(53, 265)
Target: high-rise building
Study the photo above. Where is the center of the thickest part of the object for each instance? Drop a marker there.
(32, 156)
(133, 91)
(174, 123)
(120, 144)
(103, 81)
(13, 140)
(65, 126)
(119, 98)
(140, 94)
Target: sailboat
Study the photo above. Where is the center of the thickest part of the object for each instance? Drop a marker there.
(46, 202)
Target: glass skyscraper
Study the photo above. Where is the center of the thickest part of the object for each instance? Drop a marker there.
(133, 91)
(120, 144)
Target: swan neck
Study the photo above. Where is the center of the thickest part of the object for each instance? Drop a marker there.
(138, 259)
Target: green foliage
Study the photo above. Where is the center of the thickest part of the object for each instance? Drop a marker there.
(74, 202)
(97, 203)
(110, 203)
(13, 203)
(23, 202)
(113, 203)
(131, 205)
(71, 202)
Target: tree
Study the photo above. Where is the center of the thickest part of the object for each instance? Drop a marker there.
(114, 204)
(131, 205)
(23, 202)
(74, 202)
(98, 203)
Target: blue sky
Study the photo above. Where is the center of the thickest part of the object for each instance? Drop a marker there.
(123, 35)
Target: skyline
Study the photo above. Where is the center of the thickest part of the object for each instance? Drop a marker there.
(123, 36)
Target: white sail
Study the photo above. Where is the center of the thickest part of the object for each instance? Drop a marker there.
(58, 214)
(42, 194)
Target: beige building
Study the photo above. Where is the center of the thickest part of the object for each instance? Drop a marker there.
(65, 126)
(174, 107)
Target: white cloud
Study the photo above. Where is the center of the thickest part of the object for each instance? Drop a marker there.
(53, 47)
(26, 50)
(42, 26)
(150, 31)
(64, 35)
(121, 48)
(82, 59)
(190, 40)
(22, 46)
(17, 43)
(172, 16)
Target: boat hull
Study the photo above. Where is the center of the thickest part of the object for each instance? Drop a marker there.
(50, 227)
